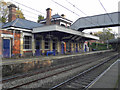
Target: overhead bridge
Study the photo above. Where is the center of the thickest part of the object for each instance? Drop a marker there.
(97, 21)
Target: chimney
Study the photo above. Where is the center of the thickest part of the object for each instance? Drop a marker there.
(12, 12)
(48, 17)
(63, 15)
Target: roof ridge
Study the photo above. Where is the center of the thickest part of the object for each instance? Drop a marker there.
(22, 23)
(15, 21)
(29, 20)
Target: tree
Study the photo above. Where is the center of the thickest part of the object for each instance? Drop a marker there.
(40, 17)
(4, 11)
(19, 13)
(105, 35)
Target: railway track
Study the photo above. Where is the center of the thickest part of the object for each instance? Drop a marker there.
(65, 67)
(52, 67)
(84, 79)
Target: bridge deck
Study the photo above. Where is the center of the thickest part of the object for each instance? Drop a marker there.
(97, 21)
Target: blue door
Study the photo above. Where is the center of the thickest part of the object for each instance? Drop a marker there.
(6, 48)
(76, 47)
(62, 48)
(37, 53)
(85, 48)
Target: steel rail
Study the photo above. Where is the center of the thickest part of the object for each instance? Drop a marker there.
(56, 73)
(38, 72)
(50, 75)
(82, 73)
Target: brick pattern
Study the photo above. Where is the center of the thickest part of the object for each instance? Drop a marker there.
(48, 17)
(12, 14)
(16, 47)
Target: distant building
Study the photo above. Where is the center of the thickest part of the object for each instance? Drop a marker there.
(56, 19)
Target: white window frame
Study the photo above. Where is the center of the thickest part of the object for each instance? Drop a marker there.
(27, 34)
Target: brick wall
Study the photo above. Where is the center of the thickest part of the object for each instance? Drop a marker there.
(16, 47)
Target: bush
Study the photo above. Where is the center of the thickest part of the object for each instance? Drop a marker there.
(99, 46)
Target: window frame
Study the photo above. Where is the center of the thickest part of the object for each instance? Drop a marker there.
(29, 44)
(47, 41)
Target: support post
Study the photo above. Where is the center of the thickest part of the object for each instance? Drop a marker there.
(21, 43)
(51, 45)
(33, 45)
(78, 47)
(72, 49)
(43, 46)
(58, 47)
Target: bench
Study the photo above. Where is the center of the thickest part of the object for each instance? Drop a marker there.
(51, 52)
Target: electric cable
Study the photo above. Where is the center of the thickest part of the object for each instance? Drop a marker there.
(28, 7)
(66, 8)
(105, 11)
(78, 9)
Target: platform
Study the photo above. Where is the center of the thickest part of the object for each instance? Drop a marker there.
(21, 60)
(108, 79)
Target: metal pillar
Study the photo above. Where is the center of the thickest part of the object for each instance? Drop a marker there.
(58, 47)
(43, 46)
(33, 45)
(21, 43)
(51, 45)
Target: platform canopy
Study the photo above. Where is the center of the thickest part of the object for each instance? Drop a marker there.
(64, 32)
(97, 21)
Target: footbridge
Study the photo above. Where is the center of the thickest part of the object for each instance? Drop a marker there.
(97, 21)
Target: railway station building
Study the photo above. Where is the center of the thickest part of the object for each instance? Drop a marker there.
(21, 37)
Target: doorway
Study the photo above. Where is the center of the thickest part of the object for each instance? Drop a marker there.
(6, 48)
(37, 53)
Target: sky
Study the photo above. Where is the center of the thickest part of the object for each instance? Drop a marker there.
(89, 7)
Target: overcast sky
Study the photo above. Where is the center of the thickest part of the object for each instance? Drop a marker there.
(89, 7)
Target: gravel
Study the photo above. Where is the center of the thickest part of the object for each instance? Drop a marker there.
(51, 81)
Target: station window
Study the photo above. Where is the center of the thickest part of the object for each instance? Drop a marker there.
(27, 42)
(54, 44)
(47, 43)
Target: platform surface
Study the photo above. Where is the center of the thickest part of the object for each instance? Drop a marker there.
(109, 78)
(21, 60)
